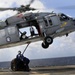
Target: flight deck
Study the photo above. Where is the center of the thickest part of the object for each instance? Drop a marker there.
(49, 66)
(42, 71)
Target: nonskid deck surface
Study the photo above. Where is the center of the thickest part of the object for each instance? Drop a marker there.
(41, 71)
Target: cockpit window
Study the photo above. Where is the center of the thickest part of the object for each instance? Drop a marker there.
(50, 21)
(63, 17)
(45, 22)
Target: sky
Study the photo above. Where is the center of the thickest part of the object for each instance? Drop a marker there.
(61, 47)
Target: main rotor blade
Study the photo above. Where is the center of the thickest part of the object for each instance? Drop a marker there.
(4, 9)
(67, 7)
(31, 2)
(28, 5)
(24, 8)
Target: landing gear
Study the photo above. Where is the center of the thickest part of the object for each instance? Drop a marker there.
(45, 45)
(66, 34)
(47, 41)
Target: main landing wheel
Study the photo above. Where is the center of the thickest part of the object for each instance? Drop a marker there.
(45, 46)
(48, 40)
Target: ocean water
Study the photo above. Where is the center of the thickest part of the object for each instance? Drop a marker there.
(63, 61)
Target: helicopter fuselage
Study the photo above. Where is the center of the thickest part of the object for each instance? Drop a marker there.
(48, 25)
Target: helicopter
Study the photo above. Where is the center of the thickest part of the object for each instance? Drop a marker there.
(49, 25)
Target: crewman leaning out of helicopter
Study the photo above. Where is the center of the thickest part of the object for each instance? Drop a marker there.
(32, 32)
(23, 35)
(24, 59)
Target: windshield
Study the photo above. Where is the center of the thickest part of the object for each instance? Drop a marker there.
(63, 17)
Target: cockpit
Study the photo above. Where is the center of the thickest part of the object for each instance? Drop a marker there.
(63, 17)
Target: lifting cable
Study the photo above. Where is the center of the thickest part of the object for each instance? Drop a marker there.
(25, 48)
(20, 32)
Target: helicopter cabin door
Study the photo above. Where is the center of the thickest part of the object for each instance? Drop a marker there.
(52, 23)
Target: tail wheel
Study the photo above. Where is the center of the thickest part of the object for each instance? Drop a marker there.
(48, 40)
(45, 46)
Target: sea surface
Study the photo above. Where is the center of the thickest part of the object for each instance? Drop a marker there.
(63, 61)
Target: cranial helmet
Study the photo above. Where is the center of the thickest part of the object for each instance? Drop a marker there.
(19, 52)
